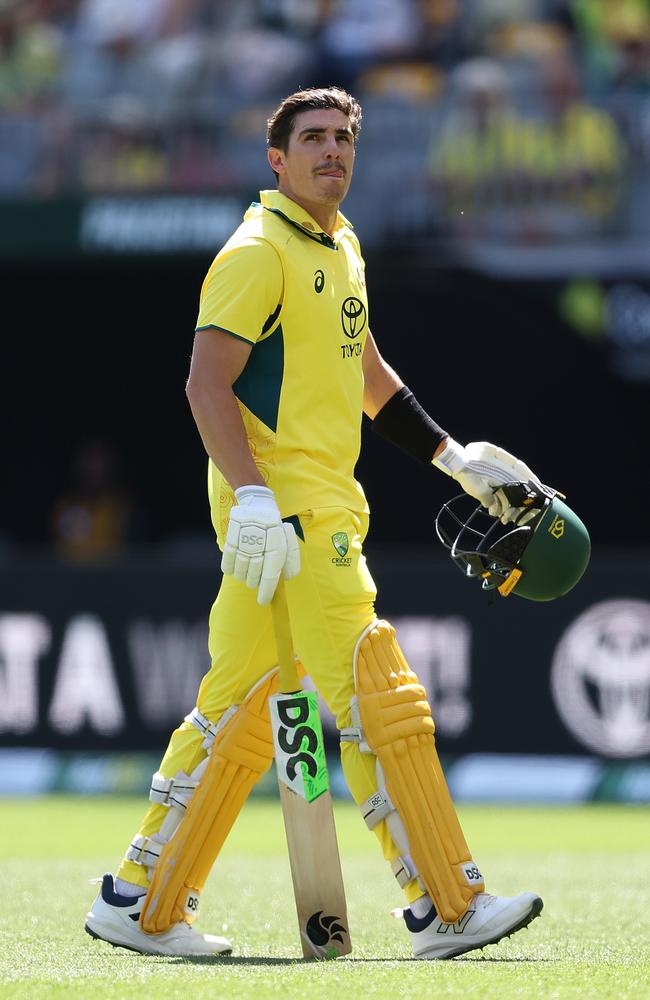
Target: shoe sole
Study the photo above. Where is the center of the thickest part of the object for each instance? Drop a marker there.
(155, 954)
(536, 908)
(114, 944)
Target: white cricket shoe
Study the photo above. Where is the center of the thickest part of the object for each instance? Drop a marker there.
(116, 919)
(486, 921)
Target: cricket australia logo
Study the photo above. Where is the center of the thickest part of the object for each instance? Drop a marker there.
(341, 543)
(600, 678)
(353, 317)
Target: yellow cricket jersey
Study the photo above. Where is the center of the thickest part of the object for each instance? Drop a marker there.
(299, 297)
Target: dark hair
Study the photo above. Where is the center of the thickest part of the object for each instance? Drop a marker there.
(280, 125)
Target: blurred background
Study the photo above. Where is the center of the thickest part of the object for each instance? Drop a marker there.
(502, 197)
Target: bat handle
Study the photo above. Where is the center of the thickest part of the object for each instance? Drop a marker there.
(288, 675)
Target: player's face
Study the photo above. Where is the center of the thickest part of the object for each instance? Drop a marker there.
(317, 165)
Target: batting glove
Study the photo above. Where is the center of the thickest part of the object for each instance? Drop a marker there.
(481, 468)
(259, 545)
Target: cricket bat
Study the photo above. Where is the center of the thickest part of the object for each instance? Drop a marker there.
(306, 804)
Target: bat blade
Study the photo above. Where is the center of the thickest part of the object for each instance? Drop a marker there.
(309, 824)
(316, 875)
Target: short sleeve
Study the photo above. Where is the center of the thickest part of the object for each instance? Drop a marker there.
(242, 291)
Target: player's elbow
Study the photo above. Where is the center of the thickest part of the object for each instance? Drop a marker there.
(200, 383)
(205, 394)
(195, 391)
(191, 389)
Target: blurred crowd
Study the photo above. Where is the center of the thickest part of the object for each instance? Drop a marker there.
(96, 516)
(485, 105)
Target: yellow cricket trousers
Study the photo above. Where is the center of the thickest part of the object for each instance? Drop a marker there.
(331, 602)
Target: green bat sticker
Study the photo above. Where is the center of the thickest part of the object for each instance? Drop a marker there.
(298, 739)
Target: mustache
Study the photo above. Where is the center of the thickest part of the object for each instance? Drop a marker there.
(330, 166)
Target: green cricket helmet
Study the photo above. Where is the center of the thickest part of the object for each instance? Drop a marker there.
(540, 560)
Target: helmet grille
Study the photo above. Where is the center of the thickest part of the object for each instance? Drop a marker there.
(511, 547)
(479, 544)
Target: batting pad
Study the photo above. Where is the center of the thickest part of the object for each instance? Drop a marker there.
(241, 753)
(398, 728)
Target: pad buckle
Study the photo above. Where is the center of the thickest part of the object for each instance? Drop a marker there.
(376, 808)
(144, 851)
(210, 730)
(355, 733)
(404, 869)
(204, 726)
(172, 792)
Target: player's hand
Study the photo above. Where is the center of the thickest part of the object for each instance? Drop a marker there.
(259, 545)
(481, 468)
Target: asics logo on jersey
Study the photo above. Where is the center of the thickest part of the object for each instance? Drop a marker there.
(353, 316)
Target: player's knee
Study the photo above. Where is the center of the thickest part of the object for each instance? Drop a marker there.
(389, 703)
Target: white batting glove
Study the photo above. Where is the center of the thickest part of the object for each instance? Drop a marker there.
(259, 545)
(480, 468)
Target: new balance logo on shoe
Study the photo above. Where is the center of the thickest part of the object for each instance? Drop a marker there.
(459, 926)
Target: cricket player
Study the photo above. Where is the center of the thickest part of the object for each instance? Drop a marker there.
(283, 367)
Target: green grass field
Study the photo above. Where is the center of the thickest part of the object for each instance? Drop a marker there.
(590, 864)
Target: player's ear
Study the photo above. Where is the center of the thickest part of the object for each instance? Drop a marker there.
(275, 157)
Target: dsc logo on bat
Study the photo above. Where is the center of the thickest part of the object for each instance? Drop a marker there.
(298, 742)
(293, 713)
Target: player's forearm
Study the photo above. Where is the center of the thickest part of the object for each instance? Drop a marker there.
(380, 382)
(394, 410)
(379, 389)
(219, 422)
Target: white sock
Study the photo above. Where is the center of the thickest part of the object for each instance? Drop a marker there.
(420, 907)
(124, 888)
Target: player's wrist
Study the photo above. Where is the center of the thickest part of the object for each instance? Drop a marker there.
(404, 423)
(452, 459)
(257, 496)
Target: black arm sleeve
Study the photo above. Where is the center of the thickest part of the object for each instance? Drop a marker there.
(403, 422)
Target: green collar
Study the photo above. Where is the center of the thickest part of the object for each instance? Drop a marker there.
(295, 215)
